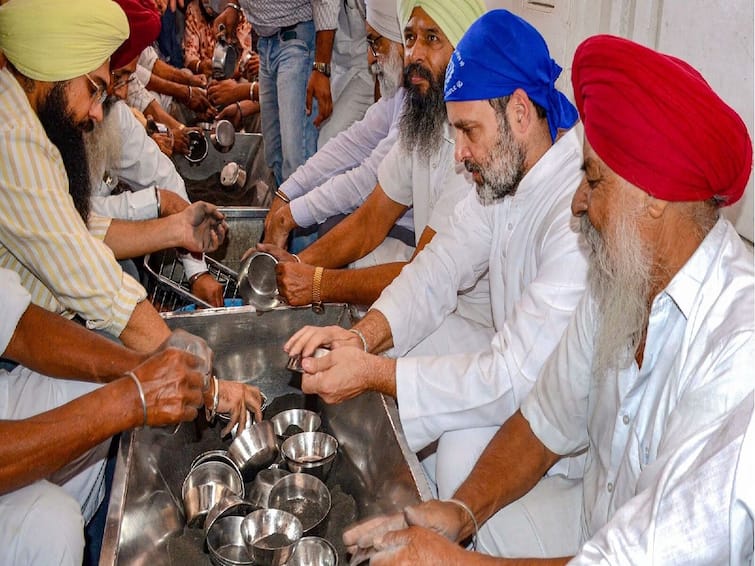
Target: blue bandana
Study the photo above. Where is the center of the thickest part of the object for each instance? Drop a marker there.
(501, 52)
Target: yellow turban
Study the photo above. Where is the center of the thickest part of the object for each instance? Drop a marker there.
(453, 16)
(57, 40)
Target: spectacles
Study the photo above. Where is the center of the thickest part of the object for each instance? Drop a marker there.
(120, 80)
(100, 91)
(371, 42)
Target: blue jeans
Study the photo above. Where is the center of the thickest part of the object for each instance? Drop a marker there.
(285, 65)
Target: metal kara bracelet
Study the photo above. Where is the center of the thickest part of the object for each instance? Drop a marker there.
(361, 337)
(474, 520)
(138, 383)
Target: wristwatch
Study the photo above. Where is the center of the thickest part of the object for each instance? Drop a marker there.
(320, 67)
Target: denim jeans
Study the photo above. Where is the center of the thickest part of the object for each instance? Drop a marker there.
(285, 65)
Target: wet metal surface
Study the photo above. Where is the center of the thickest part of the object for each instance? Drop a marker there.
(374, 467)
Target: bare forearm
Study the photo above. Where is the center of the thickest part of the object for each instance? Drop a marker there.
(511, 465)
(324, 45)
(35, 448)
(52, 345)
(145, 330)
(346, 242)
(170, 73)
(134, 238)
(179, 91)
(159, 114)
(358, 286)
(376, 331)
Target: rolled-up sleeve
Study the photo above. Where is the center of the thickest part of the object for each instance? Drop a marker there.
(14, 300)
(325, 14)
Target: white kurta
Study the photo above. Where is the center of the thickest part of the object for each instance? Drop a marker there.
(537, 267)
(637, 422)
(434, 186)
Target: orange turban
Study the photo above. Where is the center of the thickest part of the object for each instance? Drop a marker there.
(144, 27)
(655, 121)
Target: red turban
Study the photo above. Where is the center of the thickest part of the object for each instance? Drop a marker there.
(655, 121)
(144, 25)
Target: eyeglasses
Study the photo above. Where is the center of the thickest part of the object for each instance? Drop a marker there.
(371, 42)
(100, 91)
(120, 80)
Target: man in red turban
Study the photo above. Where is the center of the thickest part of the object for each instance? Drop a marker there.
(652, 379)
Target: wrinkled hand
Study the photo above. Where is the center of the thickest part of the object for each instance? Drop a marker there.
(235, 400)
(200, 101)
(306, 340)
(221, 93)
(171, 203)
(278, 224)
(318, 88)
(164, 142)
(339, 376)
(232, 114)
(181, 139)
(204, 227)
(207, 288)
(199, 80)
(278, 253)
(386, 534)
(230, 19)
(295, 282)
(416, 546)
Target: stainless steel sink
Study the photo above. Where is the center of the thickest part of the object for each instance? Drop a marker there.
(375, 471)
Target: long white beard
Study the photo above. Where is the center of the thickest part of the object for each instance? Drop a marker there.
(620, 280)
(103, 146)
(390, 73)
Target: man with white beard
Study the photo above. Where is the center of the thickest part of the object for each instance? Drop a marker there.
(516, 226)
(341, 175)
(653, 376)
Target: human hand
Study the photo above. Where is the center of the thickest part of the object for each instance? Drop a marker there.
(234, 400)
(207, 288)
(278, 253)
(222, 93)
(441, 521)
(199, 80)
(295, 282)
(251, 66)
(199, 101)
(338, 376)
(318, 88)
(228, 18)
(171, 203)
(164, 142)
(232, 113)
(171, 380)
(181, 139)
(203, 227)
(306, 340)
(416, 546)
(278, 224)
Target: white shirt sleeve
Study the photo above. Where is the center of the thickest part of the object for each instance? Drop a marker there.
(394, 175)
(14, 300)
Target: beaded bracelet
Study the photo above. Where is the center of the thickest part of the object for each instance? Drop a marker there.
(138, 383)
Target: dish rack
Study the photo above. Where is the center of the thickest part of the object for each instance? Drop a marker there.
(168, 290)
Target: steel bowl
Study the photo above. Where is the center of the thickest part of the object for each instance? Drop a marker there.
(225, 543)
(310, 452)
(253, 449)
(304, 496)
(264, 481)
(212, 456)
(294, 362)
(270, 536)
(258, 285)
(302, 419)
(229, 506)
(205, 486)
(313, 551)
(198, 147)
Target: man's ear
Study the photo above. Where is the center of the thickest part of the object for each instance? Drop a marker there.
(520, 109)
(655, 206)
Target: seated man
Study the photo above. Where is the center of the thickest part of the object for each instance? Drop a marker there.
(417, 172)
(341, 175)
(502, 101)
(119, 150)
(653, 377)
(56, 432)
(52, 87)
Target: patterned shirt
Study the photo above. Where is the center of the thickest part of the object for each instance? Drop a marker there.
(65, 267)
(268, 16)
(199, 41)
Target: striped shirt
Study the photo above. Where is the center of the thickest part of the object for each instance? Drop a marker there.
(268, 16)
(65, 267)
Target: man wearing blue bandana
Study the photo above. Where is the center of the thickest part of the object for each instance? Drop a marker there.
(514, 133)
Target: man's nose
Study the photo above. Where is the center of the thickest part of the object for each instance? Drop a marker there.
(581, 199)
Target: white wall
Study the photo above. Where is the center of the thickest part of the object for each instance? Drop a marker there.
(716, 37)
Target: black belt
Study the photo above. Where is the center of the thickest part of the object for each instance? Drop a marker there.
(287, 33)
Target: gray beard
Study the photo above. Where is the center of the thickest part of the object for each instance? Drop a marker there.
(424, 117)
(504, 167)
(389, 74)
(619, 278)
(103, 147)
